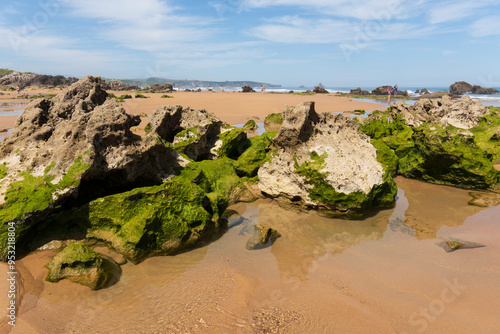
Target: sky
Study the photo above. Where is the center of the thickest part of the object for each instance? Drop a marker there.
(339, 43)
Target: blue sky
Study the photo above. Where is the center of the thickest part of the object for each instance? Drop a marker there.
(288, 42)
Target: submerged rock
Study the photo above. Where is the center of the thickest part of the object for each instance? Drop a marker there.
(71, 149)
(197, 133)
(454, 244)
(324, 161)
(484, 199)
(80, 264)
(273, 122)
(262, 237)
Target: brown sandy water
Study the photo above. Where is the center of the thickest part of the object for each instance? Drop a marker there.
(375, 275)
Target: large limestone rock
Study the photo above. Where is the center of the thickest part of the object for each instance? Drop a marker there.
(383, 90)
(324, 161)
(197, 133)
(119, 85)
(81, 264)
(73, 148)
(463, 113)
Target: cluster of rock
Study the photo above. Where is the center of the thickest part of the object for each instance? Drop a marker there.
(463, 113)
(462, 87)
(72, 169)
(440, 141)
(33, 80)
(382, 90)
(119, 86)
(163, 88)
(320, 90)
(422, 91)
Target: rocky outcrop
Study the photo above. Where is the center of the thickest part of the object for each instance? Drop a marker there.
(464, 113)
(324, 161)
(359, 91)
(320, 90)
(120, 86)
(481, 90)
(440, 141)
(383, 90)
(81, 264)
(197, 133)
(163, 88)
(73, 148)
(33, 80)
(438, 95)
(247, 89)
(250, 125)
(462, 87)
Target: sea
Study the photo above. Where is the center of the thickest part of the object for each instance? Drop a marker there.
(487, 100)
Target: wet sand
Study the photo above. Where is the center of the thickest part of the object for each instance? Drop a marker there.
(375, 275)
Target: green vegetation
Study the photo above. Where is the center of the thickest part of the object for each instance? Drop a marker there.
(42, 96)
(186, 137)
(353, 203)
(274, 118)
(233, 143)
(167, 97)
(34, 195)
(147, 128)
(81, 264)
(3, 171)
(437, 154)
(256, 155)
(250, 125)
(5, 71)
(140, 96)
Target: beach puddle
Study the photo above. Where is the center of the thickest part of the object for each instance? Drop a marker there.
(12, 108)
(381, 274)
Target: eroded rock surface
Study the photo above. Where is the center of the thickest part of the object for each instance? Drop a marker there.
(324, 161)
(463, 113)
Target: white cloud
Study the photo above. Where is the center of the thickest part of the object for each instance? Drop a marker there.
(486, 27)
(450, 11)
(361, 9)
(291, 29)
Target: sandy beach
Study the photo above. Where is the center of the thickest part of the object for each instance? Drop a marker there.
(231, 107)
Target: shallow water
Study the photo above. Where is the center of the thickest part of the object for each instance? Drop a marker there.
(381, 274)
(12, 108)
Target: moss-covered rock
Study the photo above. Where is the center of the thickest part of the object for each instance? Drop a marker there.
(81, 264)
(146, 221)
(449, 156)
(233, 142)
(250, 125)
(337, 202)
(256, 155)
(273, 122)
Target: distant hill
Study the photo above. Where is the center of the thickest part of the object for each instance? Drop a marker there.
(4, 71)
(192, 83)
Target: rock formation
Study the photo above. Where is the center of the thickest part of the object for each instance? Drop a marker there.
(382, 90)
(463, 113)
(197, 133)
(320, 90)
(81, 264)
(163, 88)
(33, 80)
(73, 148)
(359, 91)
(440, 141)
(247, 89)
(120, 86)
(462, 87)
(324, 161)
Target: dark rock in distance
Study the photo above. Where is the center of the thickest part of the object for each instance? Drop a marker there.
(247, 89)
(320, 90)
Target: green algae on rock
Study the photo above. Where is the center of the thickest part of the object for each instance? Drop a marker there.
(273, 122)
(81, 264)
(256, 155)
(147, 221)
(250, 125)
